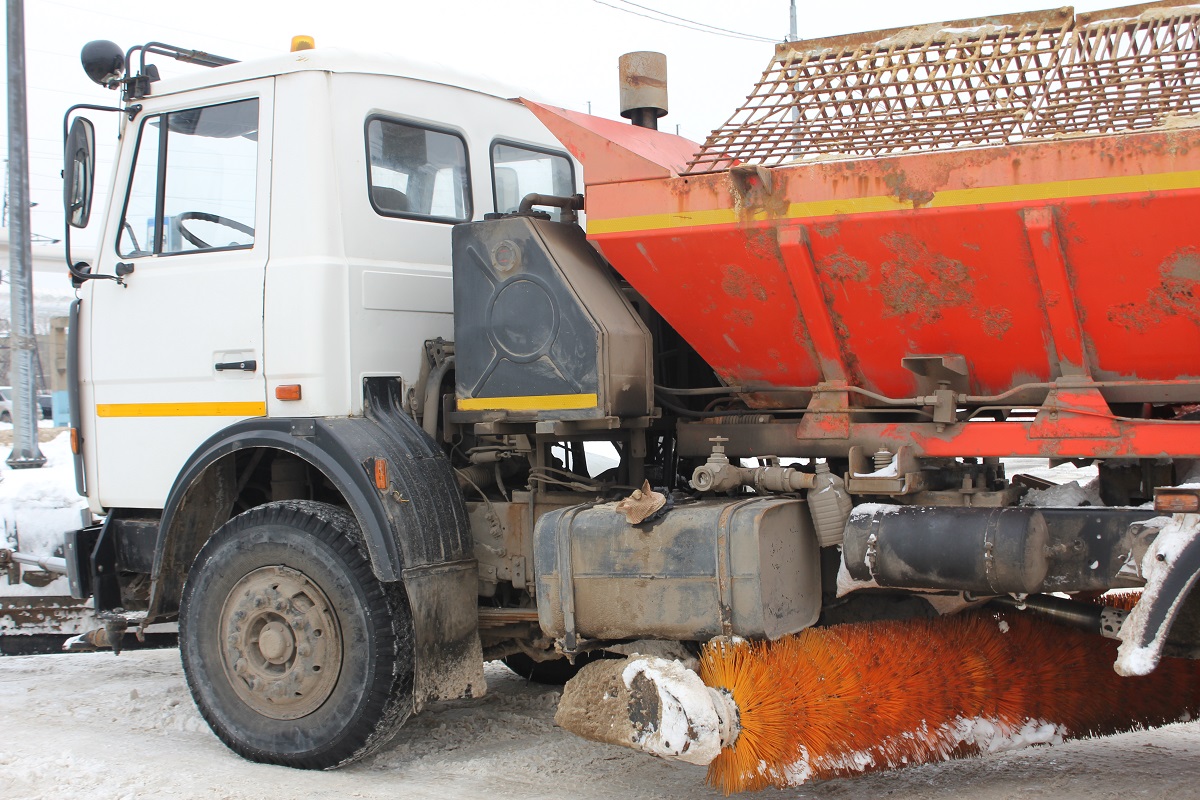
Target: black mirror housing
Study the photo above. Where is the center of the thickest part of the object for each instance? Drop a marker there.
(103, 61)
(79, 172)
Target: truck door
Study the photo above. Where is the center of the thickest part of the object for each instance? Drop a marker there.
(176, 353)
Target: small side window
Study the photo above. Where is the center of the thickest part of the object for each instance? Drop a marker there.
(519, 170)
(193, 183)
(416, 172)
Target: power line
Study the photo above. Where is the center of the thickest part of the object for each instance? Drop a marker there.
(714, 28)
(683, 22)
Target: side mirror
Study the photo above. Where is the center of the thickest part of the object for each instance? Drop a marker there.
(79, 172)
(104, 62)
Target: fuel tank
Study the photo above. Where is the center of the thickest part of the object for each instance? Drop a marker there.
(747, 567)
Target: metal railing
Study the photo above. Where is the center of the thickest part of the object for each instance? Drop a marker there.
(979, 82)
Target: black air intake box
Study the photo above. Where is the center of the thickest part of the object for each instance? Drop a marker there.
(542, 330)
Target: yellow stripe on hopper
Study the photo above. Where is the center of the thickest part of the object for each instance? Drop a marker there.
(537, 402)
(181, 409)
(950, 198)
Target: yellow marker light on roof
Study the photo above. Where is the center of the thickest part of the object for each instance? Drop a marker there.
(303, 43)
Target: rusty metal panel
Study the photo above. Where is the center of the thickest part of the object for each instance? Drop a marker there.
(975, 82)
(748, 566)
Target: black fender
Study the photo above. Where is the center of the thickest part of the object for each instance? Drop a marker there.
(1145, 633)
(416, 529)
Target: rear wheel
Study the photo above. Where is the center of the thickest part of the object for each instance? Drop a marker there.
(294, 652)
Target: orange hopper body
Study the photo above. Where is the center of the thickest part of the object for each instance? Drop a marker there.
(1069, 259)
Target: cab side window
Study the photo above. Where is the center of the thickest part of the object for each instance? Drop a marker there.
(417, 172)
(519, 170)
(194, 182)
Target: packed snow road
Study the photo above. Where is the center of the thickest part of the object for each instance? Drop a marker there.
(99, 726)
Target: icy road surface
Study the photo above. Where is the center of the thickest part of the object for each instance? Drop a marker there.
(124, 728)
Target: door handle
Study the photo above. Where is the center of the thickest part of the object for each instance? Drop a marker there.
(244, 366)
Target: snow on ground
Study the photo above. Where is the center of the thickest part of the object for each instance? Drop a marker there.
(124, 728)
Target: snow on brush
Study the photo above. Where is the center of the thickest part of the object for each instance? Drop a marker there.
(689, 728)
(986, 736)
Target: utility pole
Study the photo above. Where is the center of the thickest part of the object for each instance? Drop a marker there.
(25, 452)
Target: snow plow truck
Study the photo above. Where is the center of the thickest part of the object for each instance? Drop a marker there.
(361, 404)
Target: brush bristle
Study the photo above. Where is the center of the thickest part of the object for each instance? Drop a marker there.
(838, 701)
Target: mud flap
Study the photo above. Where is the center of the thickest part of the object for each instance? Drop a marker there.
(449, 656)
(1171, 567)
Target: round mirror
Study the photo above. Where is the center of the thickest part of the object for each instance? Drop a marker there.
(103, 61)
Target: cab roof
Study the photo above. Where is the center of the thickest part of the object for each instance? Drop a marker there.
(334, 60)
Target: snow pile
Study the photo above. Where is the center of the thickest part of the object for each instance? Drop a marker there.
(36, 507)
(1067, 495)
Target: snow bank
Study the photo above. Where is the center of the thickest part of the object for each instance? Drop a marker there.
(36, 507)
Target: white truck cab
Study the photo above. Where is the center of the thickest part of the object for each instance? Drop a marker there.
(288, 236)
(271, 294)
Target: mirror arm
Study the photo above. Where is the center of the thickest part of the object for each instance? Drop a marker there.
(78, 276)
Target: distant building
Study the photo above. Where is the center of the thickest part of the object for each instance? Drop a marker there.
(52, 296)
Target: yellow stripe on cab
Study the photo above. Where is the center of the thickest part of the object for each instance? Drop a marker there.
(251, 409)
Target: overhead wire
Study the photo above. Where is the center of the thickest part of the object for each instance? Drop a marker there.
(683, 22)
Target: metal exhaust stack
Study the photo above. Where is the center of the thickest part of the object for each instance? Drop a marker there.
(643, 78)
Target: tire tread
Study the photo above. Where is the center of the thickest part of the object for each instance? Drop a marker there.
(389, 696)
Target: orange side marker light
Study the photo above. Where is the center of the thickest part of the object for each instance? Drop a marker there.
(1177, 501)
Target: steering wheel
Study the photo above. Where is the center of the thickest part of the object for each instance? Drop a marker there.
(204, 216)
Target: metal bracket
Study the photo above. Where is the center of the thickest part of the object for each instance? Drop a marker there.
(1075, 412)
(908, 478)
(828, 413)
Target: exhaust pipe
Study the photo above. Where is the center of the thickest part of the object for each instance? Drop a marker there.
(643, 79)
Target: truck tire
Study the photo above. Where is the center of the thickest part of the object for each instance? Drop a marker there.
(294, 652)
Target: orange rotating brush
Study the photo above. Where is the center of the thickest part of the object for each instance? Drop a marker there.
(839, 701)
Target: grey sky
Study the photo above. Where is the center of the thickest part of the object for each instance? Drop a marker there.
(564, 52)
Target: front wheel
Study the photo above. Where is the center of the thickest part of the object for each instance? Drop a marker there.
(295, 653)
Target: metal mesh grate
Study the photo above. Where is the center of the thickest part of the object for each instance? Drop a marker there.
(976, 82)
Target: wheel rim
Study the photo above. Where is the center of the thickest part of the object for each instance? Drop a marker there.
(282, 647)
